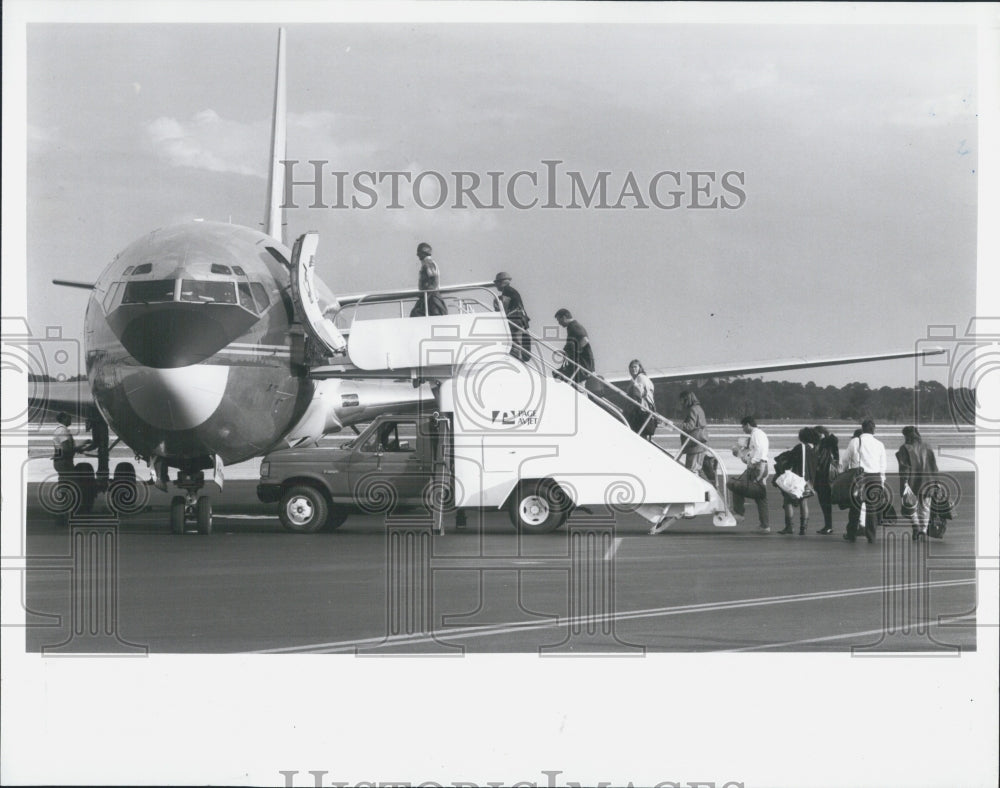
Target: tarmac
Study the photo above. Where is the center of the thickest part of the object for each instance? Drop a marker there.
(384, 585)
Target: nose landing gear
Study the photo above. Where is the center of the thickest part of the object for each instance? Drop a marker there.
(191, 506)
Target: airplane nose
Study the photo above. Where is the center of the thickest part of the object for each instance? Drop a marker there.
(179, 398)
(177, 334)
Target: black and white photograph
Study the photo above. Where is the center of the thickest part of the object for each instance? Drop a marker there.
(620, 376)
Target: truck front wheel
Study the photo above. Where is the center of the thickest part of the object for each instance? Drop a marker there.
(538, 507)
(303, 509)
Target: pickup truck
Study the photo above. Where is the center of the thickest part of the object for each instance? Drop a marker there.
(389, 464)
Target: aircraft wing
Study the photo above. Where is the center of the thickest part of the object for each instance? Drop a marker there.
(752, 367)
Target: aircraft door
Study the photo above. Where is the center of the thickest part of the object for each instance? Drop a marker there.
(305, 296)
(389, 466)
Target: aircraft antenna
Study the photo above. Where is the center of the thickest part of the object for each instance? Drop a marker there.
(273, 214)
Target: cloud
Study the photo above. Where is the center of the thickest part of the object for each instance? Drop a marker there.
(210, 142)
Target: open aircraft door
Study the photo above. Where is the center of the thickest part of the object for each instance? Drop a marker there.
(305, 297)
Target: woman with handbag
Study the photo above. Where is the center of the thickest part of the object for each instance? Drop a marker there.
(916, 466)
(801, 461)
(827, 469)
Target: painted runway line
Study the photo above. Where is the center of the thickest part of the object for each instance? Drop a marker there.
(661, 612)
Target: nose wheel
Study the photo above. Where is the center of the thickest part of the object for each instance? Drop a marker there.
(200, 512)
(191, 507)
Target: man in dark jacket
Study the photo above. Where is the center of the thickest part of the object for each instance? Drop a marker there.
(517, 317)
(917, 466)
(578, 352)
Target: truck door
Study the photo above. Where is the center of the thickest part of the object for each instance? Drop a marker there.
(388, 457)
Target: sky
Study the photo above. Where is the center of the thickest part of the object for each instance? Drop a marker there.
(852, 151)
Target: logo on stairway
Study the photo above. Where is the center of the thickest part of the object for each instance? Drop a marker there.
(515, 418)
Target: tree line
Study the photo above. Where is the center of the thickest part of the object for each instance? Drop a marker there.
(729, 399)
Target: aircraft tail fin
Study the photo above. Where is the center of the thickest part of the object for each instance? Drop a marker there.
(274, 216)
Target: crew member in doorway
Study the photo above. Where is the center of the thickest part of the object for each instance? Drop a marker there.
(517, 317)
(428, 281)
(578, 353)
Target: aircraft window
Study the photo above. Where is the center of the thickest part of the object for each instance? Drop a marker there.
(109, 299)
(128, 270)
(145, 268)
(208, 292)
(221, 269)
(239, 271)
(246, 299)
(156, 291)
(276, 255)
(260, 294)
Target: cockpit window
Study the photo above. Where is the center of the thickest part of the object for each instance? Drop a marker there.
(148, 292)
(221, 269)
(260, 294)
(109, 297)
(145, 268)
(208, 292)
(246, 299)
(128, 270)
(239, 271)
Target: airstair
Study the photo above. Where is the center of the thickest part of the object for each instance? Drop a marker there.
(542, 402)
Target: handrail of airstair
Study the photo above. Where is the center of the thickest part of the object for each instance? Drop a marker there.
(652, 414)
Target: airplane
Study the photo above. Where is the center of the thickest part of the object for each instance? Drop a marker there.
(202, 339)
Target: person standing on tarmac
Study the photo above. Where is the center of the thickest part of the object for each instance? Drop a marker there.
(868, 453)
(827, 468)
(428, 281)
(62, 461)
(517, 317)
(64, 446)
(800, 459)
(917, 465)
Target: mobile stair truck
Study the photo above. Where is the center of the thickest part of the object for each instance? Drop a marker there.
(498, 433)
